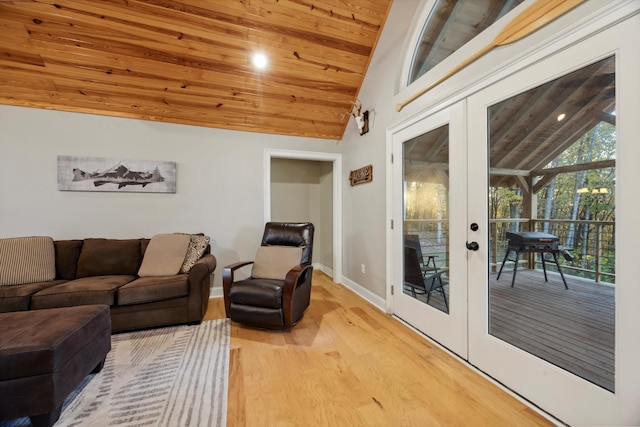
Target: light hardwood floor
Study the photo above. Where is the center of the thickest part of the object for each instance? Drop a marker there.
(348, 364)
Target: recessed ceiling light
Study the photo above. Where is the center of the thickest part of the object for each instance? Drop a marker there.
(561, 117)
(259, 60)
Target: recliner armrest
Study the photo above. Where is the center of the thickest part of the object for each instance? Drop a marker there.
(291, 282)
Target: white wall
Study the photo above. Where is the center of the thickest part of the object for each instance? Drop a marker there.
(219, 179)
(364, 207)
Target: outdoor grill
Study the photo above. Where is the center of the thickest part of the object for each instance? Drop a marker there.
(532, 241)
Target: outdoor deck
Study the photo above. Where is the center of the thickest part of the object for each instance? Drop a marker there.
(571, 328)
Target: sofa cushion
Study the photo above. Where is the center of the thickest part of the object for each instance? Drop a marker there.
(197, 245)
(103, 257)
(274, 262)
(157, 288)
(84, 291)
(67, 253)
(164, 255)
(26, 260)
(18, 298)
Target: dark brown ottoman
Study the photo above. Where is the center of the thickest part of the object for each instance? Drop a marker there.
(45, 355)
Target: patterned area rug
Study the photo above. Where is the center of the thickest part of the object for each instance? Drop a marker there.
(176, 376)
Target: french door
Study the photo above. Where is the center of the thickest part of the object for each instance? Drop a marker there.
(550, 149)
(551, 138)
(431, 269)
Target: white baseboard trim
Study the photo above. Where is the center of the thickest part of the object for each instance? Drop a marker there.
(365, 293)
(321, 267)
(216, 292)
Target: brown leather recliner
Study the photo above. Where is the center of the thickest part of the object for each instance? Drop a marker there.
(273, 303)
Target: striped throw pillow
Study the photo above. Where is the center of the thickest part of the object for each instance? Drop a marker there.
(27, 260)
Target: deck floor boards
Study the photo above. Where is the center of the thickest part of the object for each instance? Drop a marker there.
(572, 328)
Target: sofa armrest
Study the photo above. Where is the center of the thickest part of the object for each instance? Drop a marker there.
(204, 266)
(200, 286)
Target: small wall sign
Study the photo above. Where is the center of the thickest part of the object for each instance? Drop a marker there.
(362, 175)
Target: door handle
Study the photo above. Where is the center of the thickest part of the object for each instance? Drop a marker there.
(473, 246)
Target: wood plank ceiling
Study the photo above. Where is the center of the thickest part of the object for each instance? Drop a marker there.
(189, 61)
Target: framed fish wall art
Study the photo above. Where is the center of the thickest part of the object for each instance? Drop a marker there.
(76, 173)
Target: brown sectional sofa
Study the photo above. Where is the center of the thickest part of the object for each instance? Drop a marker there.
(105, 271)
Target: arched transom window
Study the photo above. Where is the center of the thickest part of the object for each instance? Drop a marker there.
(451, 24)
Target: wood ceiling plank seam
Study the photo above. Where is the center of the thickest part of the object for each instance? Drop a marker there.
(162, 57)
(334, 26)
(171, 28)
(367, 12)
(301, 16)
(85, 58)
(131, 34)
(314, 96)
(111, 74)
(194, 110)
(141, 94)
(21, 56)
(16, 80)
(159, 56)
(155, 28)
(310, 60)
(171, 37)
(239, 33)
(101, 108)
(12, 29)
(111, 94)
(259, 25)
(140, 112)
(130, 12)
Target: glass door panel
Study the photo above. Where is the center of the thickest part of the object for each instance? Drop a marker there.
(552, 221)
(426, 218)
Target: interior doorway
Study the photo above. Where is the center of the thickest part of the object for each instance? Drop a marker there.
(304, 186)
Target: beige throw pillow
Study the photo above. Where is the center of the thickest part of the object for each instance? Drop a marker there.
(164, 255)
(274, 262)
(197, 246)
(27, 260)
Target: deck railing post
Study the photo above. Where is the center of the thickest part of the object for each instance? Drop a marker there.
(598, 251)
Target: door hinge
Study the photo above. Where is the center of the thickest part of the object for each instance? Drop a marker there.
(391, 157)
(391, 289)
(392, 224)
